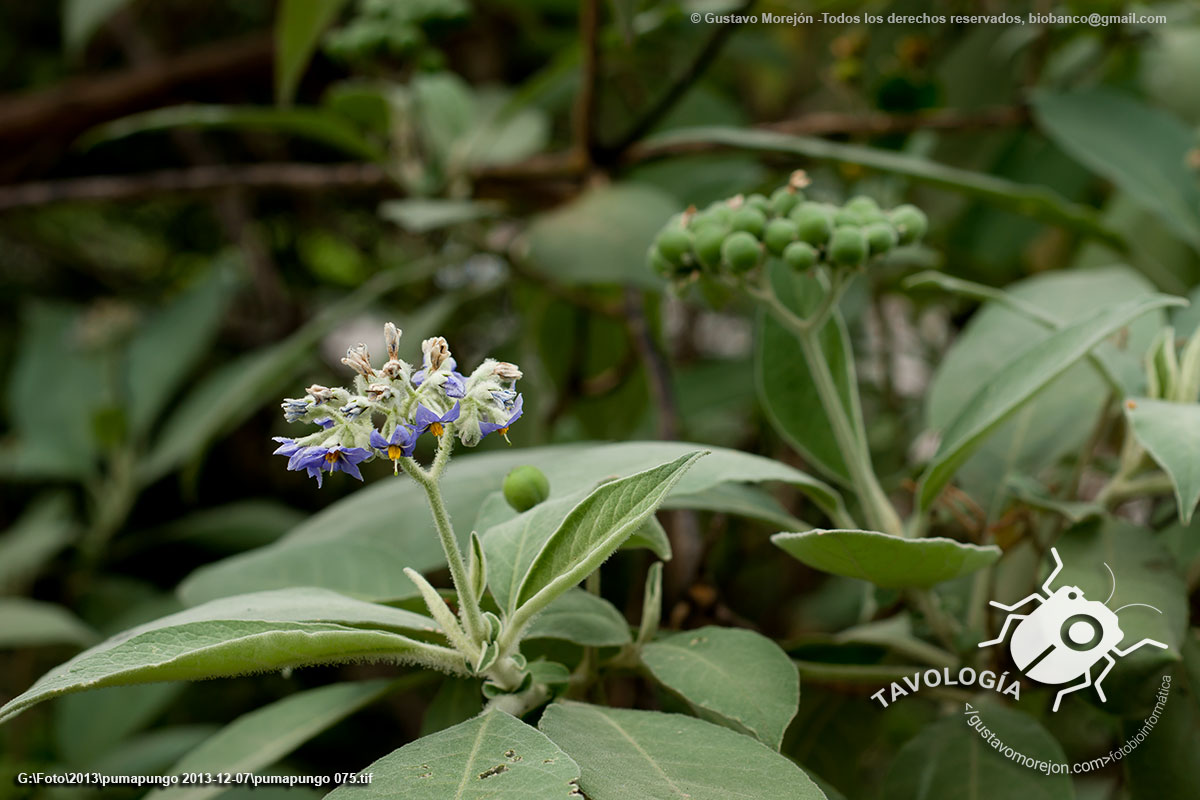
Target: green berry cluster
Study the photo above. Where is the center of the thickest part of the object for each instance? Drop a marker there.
(734, 236)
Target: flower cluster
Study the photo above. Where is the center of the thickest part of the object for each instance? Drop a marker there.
(388, 409)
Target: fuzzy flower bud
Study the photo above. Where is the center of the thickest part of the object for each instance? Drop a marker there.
(319, 393)
(436, 352)
(358, 359)
(391, 338)
(508, 372)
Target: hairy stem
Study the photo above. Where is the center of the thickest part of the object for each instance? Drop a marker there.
(880, 513)
(468, 606)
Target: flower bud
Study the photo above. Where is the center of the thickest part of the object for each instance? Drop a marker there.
(862, 205)
(1162, 367)
(785, 199)
(508, 372)
(759, 203)
(321, 394)
(1188, 389)
(358, 359)
(436, 352)
(525, 487)
(391, 338)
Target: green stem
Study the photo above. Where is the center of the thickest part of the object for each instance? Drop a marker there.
(880, 513)
(468, 606)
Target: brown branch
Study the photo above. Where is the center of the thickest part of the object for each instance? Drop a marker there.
(67, 109)
(585, 100)
(545, 168)
(208, 178)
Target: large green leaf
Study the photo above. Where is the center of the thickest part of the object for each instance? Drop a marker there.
(298, 26)
(512, 545)
(602, 236)
(31, 623)
(733, 677)
(168, 345)
(1026, 199)
(1019, 380)
(315, 124)
(624, 754)
(785, 382)
(494, 756)
(1170, 432)
(260, 738)
(888, 561)
(241, 635)
(1141, 149)
(581, 617)
(360, 545)
(949, 761)
(595, 528)
(1059, 419)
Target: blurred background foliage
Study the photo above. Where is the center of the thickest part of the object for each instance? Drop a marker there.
(201, 203)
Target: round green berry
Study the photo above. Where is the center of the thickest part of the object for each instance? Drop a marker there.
(719, 212)
(675, 244)
(847, 246)
(525, 487)
(750, 220)
(814, 223)
(800, 256)
(784, 200)
(911, 223)
(707, 243)
(862, 205)
(760, 202)
(881, 237)
(778, 234)
(741, 251)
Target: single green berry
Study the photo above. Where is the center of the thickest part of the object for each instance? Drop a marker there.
(778, 234)
(759, 202)
(862, 205)
(707, 243)
(800, 256)
(750, 220)
(525, 487)
(741, 251)
(881, 237)
(911, 223)
(814, 223)
(784, 200)
(847, 246)
(675, 244)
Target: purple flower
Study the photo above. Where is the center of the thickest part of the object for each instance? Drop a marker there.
(314, 460)
(429, 420)
(455, 386)
(399, 445)
(502, 427)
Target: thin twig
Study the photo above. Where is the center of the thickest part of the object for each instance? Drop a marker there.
(585, 100)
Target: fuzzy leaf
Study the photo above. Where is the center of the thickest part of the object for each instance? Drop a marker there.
(1170, 432)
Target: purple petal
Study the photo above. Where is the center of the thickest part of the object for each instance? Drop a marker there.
(452, 414)
(455, 386)
(424, 418)
(378, 442)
